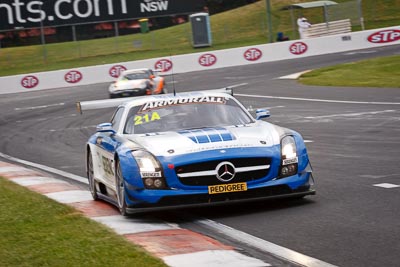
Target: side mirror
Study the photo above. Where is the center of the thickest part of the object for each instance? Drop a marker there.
(262, 113)
(105, 128)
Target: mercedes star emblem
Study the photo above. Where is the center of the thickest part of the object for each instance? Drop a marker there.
(225, 171)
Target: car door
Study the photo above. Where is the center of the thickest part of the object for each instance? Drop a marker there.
(108, 144)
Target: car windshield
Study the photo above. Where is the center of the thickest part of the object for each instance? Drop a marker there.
(156, 117)
(135, 76)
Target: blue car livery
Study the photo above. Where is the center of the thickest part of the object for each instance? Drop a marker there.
(191, 149)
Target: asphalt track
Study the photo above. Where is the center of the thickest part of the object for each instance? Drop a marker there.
(353, 139)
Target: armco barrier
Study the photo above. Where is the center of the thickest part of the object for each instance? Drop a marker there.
(206, 60)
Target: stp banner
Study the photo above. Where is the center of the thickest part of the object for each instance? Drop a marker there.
(16, 14)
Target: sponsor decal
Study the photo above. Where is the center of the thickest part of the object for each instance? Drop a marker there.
(146, 118)
(150, 174)
(164, 65)
(218, 145)
(252, 54)
(385, 36)
(346, 38)
(29, 82)
(107, 165)
(153, 5)
(207, 60)
(290, 161)
(73, 76)
(225, 188)
(298, 48)
(29, 13)
(179, 101)
(116, 70)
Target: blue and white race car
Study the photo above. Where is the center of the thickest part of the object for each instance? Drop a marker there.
(189, 149)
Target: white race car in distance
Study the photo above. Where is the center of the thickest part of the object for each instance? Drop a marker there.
(137, 82)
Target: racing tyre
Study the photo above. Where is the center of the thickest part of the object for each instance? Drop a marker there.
(120, 189)
(90, 174)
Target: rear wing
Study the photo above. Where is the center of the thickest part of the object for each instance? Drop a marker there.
(109, 103)
(160, 72)
(98, 104)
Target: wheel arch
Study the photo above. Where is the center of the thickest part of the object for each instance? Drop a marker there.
(87, 152)
(129, 168)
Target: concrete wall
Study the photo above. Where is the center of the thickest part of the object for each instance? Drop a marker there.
(206, 60)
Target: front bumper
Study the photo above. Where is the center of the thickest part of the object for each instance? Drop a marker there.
(175, 200)
(128, 93)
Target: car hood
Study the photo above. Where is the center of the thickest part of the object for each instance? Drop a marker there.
(192, 141)
(122, 85)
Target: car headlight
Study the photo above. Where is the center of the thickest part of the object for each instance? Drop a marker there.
(150, 170)
(289, 163)
(143, 85)
(288, 147)
(112, 87)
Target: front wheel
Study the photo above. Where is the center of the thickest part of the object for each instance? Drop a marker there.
(90, 175)
(120, 189)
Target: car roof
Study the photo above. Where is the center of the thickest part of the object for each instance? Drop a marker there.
(135, 71)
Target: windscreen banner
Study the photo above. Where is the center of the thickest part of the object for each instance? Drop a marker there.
(17, 14)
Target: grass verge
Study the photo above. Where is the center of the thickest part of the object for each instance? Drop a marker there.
(37, 231)
(378, 72)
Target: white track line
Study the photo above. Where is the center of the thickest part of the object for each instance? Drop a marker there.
(293, 76)
(387, 185)
(352, 114)
(39, 107)
(263, 245)
(237, 85)
(127, 225)
(319, 100)
(213, 258)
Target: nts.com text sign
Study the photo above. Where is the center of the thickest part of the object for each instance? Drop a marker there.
(30, 13)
